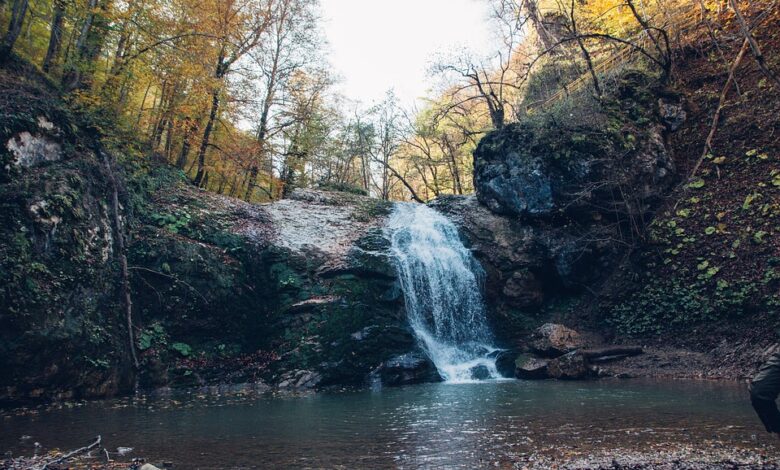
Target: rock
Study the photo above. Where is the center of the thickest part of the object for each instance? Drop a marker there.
(536, 170)
(570, 366)
(32, 150)
(529, 367)
(552, 340)
(264, 291)
(308, 379)
(480, 373)
(523, 290)
(409, 368)
(672, 113)
(505, 362)
(364, 333)
(148, 466)
(300, 379)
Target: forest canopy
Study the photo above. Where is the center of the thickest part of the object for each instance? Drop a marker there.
(239, 95)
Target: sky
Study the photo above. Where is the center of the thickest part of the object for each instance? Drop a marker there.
(377, 45)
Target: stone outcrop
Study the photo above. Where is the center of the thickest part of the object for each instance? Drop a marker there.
(557, 352)
(527, 264)
(558, 201)
(615, 160)
(299, 293)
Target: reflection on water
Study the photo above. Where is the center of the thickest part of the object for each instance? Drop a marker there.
(430, 425)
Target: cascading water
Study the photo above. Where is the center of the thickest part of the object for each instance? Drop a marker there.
(441, 282)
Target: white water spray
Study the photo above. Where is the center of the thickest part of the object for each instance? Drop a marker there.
(441, 281)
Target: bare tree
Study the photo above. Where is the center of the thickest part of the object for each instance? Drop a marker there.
(489, 80)
(387, 141)
(291, 40)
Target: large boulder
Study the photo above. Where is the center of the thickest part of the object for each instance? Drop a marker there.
(611, 160)
(571, 366)
(553, 340)
(530, 367)
(409, 368)
(505, 362)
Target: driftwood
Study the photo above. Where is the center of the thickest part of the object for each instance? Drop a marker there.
(72, 454)
(611, 351)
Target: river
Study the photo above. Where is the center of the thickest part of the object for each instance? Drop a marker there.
(438, 425)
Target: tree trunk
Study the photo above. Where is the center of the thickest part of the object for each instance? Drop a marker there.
(18, 13)
(88, 47)
(55, 37)
(189, 129)
(262, 131)
(204, 143)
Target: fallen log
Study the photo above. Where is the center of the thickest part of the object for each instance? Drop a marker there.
(608, 351)
(72, 454)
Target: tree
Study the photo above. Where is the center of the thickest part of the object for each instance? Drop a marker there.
(18, 12)
(490, 80)
(81, 69)
(238, 28)
(388, 140)
(309, 129)
(292, 37)
(55, 35)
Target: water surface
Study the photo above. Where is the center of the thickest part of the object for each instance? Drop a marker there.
(431, 425)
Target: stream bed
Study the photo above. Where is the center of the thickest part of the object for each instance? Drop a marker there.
(473, 425)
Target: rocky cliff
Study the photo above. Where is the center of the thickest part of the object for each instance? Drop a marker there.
(300, 293)
(561, 196)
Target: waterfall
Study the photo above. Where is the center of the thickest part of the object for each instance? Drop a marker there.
(441, 282)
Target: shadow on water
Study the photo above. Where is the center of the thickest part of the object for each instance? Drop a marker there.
(454, 425)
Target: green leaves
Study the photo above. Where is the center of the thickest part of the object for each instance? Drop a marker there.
(182, 348)
(174, 223)
(749, 200)
(758, 236)
(697, 184)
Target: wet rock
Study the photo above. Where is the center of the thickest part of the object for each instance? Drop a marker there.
(552, 340)
(570, 366)
(409, 368)
(300, 379)
(525, 262)
(364, 333)
(480, 373)
(505, 362)
(529, 367)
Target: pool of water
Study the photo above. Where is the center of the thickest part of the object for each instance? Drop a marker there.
(430, 425)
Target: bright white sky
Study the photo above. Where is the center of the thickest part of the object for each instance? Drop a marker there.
(376, 45)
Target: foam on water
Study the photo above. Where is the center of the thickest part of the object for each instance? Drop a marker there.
(442, 282)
